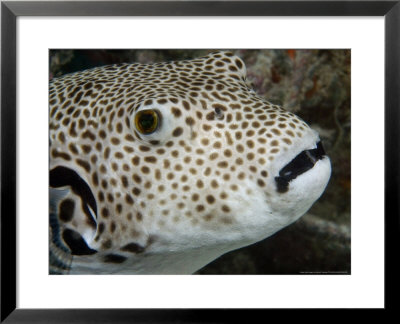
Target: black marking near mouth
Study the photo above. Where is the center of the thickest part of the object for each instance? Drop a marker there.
(76, 243)
(300, 164)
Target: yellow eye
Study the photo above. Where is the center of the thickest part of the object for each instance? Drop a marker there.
(147, 121)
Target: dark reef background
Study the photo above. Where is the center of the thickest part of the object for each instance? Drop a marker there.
(314, 84)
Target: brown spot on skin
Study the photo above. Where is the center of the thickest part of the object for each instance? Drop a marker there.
(62, 155)
(100, 195)
(105, 212)
(210, 199)
(73, 148)
(95, 179)
(213, 156)
(136, 191)
(290, 133)
(199, 184)
(88, 134)
(144, 148)
(119, 155)
(186, 105)
(119, 208)
(61, 137)
(222, 164)
(229, 139)
(136, 178)
(72, 130)
(250, 144)
(205, 141)
(261, 183)
(214, 184)
(135, 160)
(189, 121)
(145, 169)
(239, 64)
(239, 161)
(107, 153)
(250, 133)
(228, 153)
(114, 166)
(99, 146)
(262, 140)
(176, 112)
(225, 209)
(200, 208)
(102, 134)
(130, 138)
(177, 132)
(250, 156)
(167, 164)
(129, 200)
(150, 159)
(253, 169)
(119, 128)
(206, 127)
(210, 116)
(199, 162)
(86, 148)
(217, 145)
(125, 182)
(83, 164)
(115, 141)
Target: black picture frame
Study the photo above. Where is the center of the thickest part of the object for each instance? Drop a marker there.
(10, 10)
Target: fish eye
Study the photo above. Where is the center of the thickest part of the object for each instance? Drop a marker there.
(147, 121)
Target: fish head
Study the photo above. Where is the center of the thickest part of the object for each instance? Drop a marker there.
(174, 164)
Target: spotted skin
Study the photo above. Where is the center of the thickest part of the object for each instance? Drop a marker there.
(171, 200)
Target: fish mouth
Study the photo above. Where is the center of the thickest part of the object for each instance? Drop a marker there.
(299, 165)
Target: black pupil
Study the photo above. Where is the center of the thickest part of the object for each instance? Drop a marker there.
(147, 121)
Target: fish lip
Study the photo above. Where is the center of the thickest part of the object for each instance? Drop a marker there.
(303, 162)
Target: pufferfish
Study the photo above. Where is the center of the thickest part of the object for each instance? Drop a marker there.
(162, 168)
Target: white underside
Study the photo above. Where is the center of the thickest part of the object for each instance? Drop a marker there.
(266, 217)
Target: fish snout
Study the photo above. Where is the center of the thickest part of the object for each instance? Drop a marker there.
(302, 163)
(299, 179)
